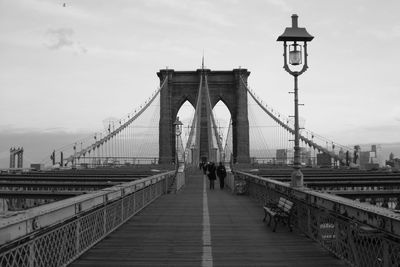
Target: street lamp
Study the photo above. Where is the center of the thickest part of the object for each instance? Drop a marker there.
(178, 131)
(297, 39)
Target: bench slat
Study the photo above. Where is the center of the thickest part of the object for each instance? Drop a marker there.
(279, 212)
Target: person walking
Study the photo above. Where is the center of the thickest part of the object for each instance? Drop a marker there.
(221, 172)
(211, 174)
(201, 164)
(205, 167)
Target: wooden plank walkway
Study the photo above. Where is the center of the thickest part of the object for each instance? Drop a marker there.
(170, 232)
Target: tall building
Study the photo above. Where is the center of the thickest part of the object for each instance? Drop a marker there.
(282, 156)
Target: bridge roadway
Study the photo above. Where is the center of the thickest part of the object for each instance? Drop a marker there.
(173, 231)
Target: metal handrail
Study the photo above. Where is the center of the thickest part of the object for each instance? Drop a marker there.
(57, 233)
(359, 233)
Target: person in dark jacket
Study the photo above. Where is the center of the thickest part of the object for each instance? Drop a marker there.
(205, 167)
(221, 172)
(211, 174)
(201, 164)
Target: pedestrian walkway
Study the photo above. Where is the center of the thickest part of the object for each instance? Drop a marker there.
(186, 229)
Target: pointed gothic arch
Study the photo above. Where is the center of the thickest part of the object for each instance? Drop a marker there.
(223, 85)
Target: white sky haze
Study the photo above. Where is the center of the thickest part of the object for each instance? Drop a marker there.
(69, 68)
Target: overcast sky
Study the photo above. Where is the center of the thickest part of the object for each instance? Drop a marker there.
(69, 68)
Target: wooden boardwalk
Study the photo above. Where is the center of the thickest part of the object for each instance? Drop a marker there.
(173, 232)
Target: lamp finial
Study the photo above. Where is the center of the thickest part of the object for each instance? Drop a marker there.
(294, 21)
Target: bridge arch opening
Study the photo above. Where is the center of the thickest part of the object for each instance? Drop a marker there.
(186, 115)
(223, 119)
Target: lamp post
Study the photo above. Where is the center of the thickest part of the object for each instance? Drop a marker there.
(178, 131)
(295, 44)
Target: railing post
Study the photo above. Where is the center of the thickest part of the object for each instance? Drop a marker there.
(122, 208)
(134, 203)
(386, 254)
(353, 247)
(309, 230)
(105, 220)
(337, 237)
(166, 184)
(143, 196)
(77, 235)
(32, 256)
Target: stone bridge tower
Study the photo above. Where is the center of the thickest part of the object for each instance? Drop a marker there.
(223, 85)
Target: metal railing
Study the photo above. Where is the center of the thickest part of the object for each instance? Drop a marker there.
(279, 162)
(360, 234)
(96, 162)
(58, 233)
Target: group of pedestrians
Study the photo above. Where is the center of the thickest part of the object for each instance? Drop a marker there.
(212, 172)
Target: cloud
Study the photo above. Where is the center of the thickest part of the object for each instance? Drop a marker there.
(63, 38)
(59, 38)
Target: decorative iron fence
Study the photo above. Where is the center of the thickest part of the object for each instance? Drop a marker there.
(360, 234)
(61, 242)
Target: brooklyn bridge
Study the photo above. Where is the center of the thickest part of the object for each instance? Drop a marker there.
(137, 195)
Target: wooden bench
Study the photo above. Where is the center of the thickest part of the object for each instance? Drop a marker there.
(280, 212)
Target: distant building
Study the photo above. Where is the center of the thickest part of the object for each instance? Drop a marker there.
(394, 163)
(305, 156)
(379, 159)
(324, 160)
(364, 159)
(286, 156)
(282, 156)
(371, 159)
(37, 166)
